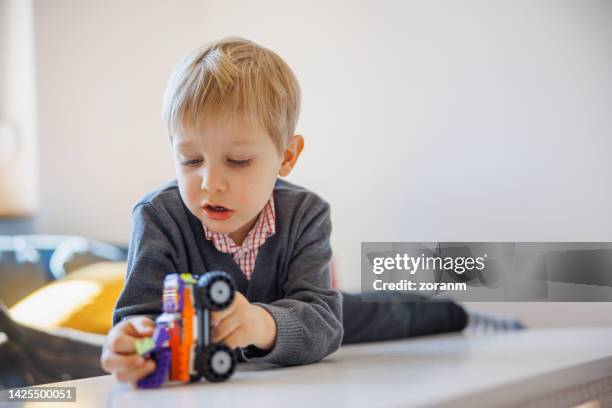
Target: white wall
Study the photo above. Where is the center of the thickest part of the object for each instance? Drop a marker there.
(102, 67)
(18, 139)
(424, 121)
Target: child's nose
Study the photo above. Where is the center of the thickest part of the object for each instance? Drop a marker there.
(213, 180)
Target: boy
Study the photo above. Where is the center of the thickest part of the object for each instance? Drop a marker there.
(231, 109)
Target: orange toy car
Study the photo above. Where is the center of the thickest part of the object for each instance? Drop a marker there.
(181, 344)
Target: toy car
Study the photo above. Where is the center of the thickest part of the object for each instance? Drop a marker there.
(181, 343)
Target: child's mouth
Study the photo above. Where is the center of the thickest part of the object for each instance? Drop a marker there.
(218, 212)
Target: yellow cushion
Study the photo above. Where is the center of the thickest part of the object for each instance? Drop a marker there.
(83, 300)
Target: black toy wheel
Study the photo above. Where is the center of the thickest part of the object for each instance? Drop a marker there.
(219, 362)
(215, 290)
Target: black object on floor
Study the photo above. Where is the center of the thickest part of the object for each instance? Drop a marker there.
(32, 357)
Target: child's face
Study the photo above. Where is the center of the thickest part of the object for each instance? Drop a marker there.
(233, 165)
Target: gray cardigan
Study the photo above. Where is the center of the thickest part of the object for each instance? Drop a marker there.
(291, 278)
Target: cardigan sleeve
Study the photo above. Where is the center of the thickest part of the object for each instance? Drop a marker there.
(309, 316)
(150, 258)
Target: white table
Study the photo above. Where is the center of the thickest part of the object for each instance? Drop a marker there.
(452, 370)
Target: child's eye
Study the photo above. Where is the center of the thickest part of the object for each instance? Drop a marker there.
(239, 163)
(191, 162)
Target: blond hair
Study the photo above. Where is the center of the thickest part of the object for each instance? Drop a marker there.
(234, 77)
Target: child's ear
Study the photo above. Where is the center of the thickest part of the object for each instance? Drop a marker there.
(291, 154)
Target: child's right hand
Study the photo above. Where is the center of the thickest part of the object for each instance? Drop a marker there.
(119, 355)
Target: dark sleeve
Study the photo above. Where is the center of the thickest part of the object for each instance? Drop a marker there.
(309, 316)
(150, 259)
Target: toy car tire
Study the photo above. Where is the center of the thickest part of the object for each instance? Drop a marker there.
(219, 362)
(215, 291)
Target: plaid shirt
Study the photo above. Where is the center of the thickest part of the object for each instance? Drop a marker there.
(245, 254)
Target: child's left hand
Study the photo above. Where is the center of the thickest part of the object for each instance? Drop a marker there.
(244, 324)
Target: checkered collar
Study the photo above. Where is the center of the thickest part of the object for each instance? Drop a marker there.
(264, 228)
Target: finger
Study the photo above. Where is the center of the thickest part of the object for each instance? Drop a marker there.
(136, 373)
(225, 328)
(143, 326)
(136, 326)
(217, 317)
(112, 362)
(122, 337)
(239, 300)
(121, 343)
(236, 339)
